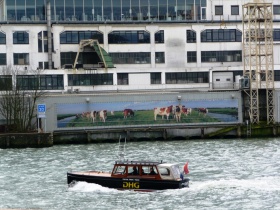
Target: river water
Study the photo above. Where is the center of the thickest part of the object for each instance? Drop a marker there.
(225, 174)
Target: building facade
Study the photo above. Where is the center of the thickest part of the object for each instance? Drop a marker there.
(153, 44)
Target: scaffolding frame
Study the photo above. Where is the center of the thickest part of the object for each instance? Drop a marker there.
(258, 57)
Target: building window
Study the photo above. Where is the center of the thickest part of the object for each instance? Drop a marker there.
(218, 10)
(156, 78)
(160, 58)
(20, 37)
(191, 36)
(74, 37)
(191, 56)
(43, 41)
(159, 37)
(276, 35)
(3, 60)
(237, 73)
(187, 77)
(27, 82)
(21, 58)
(234, 10)
(40, 82)
(67, 58)
(221, 56)
(122, 78)
(45, 65)
(131, 58)
(2, 38)
(90, 79)
(51, 82)
(276, 75)
(5, 82)
(128, 37)
(221, 35)
(276, 9)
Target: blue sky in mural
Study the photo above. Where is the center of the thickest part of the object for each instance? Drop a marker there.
(146, 105)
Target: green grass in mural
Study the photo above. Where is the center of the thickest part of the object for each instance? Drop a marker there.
(229, 111)
(63, 116)
(140, 118)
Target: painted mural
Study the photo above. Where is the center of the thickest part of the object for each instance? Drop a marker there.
(148, 112)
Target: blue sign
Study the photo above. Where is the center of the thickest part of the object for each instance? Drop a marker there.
(41, 108)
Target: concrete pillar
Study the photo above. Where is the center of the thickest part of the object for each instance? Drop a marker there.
(274, 130)
(88, 137)
(128, 135)
(202, 133)
(238, 131)
(164, 134)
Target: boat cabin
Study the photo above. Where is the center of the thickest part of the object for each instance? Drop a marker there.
(146, 170)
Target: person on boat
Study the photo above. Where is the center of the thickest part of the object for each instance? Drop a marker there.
(152, 171)
(135, 171)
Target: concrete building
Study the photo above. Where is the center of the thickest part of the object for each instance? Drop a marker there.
(143, 45)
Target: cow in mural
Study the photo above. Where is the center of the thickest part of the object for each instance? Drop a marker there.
(202, 111)
(93, 115)
(178, 112)
(163, 111)
(128, 113)
(86, 115)
(103, 115)
(186, 111)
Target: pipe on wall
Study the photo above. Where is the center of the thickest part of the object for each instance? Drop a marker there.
(49, 30)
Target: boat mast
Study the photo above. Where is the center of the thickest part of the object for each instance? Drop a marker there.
(121, 152)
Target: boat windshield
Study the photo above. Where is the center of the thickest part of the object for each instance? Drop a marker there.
(176, 171)
(119, 170)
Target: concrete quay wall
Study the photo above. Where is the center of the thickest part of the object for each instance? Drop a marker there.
(148, 134)
(38, 140)
(24, 140)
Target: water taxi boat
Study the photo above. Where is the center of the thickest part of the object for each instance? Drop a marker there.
(135, 175)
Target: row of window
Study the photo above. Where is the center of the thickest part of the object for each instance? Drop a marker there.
(129, 37)
(145, 57)
(235, 9)
(123, 78)
(55, 82)
(74, 37)
(221, 56)
(33, 82)
(103, 10)
(215, 56)
(131, 58)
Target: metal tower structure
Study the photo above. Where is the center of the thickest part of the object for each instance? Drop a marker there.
(258, 57)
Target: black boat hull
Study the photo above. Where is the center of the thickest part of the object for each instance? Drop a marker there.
(128, 183)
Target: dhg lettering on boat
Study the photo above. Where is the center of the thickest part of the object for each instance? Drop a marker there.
(131, 185)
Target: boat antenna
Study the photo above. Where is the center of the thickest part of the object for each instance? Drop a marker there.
(121, 153)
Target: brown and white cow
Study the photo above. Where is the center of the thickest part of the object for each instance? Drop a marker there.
(93, 115)
(163, 111)
(186, 111)
(86, 115)
(103, 115)
(128, 112)
(203, 111)
(178, 112)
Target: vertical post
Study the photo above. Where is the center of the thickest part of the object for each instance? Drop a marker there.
(202, 133)
(45, 126)
(49, 34)
(38, 125)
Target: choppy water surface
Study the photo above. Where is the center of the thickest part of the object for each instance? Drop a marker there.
(225, 174)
